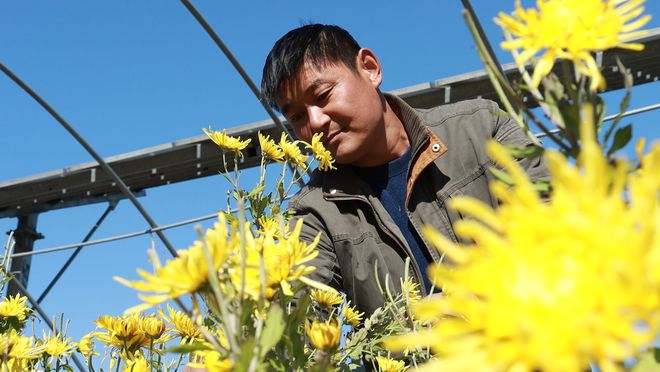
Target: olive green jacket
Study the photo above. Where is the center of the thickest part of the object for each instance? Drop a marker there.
(448, 160)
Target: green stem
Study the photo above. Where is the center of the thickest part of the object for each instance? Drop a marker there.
(242, 232)
(497, 80)
(260, 321)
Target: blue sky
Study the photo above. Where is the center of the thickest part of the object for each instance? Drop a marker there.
(134, 74)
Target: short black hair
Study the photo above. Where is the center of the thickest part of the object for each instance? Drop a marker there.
(315, 43)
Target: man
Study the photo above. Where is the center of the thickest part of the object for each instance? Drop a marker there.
(397, 166)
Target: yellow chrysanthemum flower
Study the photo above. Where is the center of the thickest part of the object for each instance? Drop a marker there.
(184, 274)
(292, 152)
(270, 149)
(126, 333)
(327, 298)
(390, 365)
(183, 325)
(324, 335)
(572, 29)
(16, 347)
(270, 226)
(554, 285)
(410, 290)
(351, 315)
(284, 262)
(57, 346)
(122, 332)
(321, 155)
(86, 345)
(137, 363)
(228, 143)
(15, 307)
(213, 361)
(152, 326)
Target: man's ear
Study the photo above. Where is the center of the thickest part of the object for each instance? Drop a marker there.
(368, 66)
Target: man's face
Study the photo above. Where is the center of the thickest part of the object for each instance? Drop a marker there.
(344, 105)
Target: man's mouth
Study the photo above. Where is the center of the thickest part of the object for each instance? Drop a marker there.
(329, 138)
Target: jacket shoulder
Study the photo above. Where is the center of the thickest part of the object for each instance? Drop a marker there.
(439, 114)
(311, 194)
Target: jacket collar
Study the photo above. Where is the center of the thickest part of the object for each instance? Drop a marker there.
(416, 128)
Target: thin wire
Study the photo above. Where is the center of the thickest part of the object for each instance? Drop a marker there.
(218, 41)
(122, 186)
(44, 316)
(125, 236)
(612, 117)
(114, 238)
(237, 65)
(68, 262)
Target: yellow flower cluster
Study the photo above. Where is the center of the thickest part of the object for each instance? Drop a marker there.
(554, 285)
(269, 149)
(292, 152)
(137, 363)
(573, 30)
(130, 333)
(86, 345)
(324, 335)
(212, 361)
(410, 290)
(183, 325)
(228, 143)
(390, 365)
(320, 153)
(327, 299)
(55, 345)
(285, 150)
(15, 307)
(351, 315)
(283, 262)
(18, 351)
(271, 226)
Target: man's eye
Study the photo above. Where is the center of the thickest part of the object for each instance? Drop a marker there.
(323, 96)
(295, 118)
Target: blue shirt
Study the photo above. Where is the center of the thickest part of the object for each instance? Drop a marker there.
(388, 182)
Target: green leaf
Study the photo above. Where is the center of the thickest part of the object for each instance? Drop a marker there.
(239, 194)
(543, 187)
(273, 329)
(523, 152)
(621, 138)
(502, 176)
(247, 309)
(295, 320)
(599, 110)
(649, 361)
(187, 348)
(623, 105)
(571, 116)
(280, 190)
(247, 351)
(256, 191)
(229, 217)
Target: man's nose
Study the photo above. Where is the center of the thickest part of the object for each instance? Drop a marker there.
(318, 120)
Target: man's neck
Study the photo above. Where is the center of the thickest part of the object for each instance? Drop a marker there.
(393, 143)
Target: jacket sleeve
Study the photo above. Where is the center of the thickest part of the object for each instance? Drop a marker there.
(327, 269)
(507, 131)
